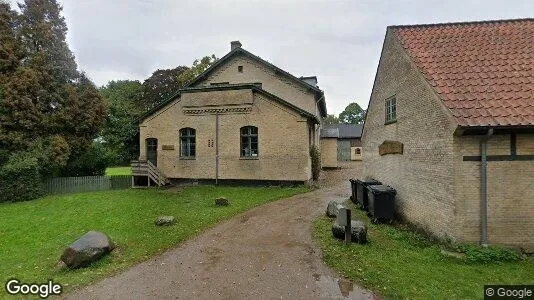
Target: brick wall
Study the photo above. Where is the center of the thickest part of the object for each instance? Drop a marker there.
(276, 84)
(283, 138)
(329, 152)
(510, 191)
(423, 175)
(436, 188)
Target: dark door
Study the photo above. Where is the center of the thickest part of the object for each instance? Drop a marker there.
(152, 150)
(343, 150)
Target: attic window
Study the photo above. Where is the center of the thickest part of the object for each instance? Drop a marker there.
(391, 110)
(240, 69)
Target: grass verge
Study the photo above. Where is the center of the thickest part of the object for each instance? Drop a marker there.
(35, 233)
(115, 171)
(399, 263)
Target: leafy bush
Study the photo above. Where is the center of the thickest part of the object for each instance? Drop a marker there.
(92, 162)
(491, 254)
(20, 179)
(316, 162)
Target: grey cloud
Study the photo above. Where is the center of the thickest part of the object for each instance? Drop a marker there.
(339, 41)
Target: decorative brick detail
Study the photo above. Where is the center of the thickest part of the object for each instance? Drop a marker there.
(217, 110)
(390, 147)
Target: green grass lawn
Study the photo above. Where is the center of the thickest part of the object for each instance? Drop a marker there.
(35, 233)
(114, 171)
(398, 263)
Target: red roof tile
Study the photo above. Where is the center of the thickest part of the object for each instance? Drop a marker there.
(483, 71)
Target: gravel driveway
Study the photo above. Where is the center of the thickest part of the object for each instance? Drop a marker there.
(266, 252)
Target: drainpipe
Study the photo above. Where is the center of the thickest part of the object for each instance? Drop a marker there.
(484, 188)
(216, 148)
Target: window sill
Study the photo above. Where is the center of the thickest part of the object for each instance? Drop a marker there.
(249, 158)
(188, 158)
(390, 122)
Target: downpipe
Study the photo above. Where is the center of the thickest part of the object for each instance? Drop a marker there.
(484, 188)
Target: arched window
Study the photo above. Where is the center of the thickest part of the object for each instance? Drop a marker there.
(187, 142)
(249, 141)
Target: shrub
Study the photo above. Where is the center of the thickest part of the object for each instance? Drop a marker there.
(20, 179)
(491, 254)
(316, 162)
(92, 162)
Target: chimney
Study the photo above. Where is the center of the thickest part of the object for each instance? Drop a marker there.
(234, 45)
(311, 80)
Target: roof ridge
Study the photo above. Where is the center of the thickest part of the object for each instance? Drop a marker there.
(462, 23)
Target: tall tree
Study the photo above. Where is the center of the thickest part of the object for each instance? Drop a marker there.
(196, 69)
(331, 119)
(353, 114)
(119, 134)
(70, 104)
(10, 50)
(19, 87)
(161, 85)
(44, 31)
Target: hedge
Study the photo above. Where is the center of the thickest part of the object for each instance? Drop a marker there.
(20, 180)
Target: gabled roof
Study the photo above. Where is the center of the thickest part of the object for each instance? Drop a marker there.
(255, 87)
(482, 71)
(346, 131)
(319, 95)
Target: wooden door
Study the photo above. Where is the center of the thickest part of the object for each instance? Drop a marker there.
(152, 150)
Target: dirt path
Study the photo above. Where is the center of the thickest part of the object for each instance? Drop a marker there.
(266, 252)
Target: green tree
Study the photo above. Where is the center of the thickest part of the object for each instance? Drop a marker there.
(196, 69)
(119, 134)
(69, 103)
(331, 119)
(10, 50)
(353, 114)
(45, 102)
(43, 31)
(161, 85)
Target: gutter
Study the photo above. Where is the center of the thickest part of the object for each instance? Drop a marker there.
(484, 187)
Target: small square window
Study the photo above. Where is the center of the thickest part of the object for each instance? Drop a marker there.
(391, 110)
(240, 69)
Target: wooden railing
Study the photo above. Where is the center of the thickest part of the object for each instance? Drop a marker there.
(147, 168)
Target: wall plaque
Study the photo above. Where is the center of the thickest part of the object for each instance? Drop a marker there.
(391, 147)
(167, 147)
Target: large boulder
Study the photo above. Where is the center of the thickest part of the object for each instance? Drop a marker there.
(332, 210)
(358, 231)
(87, 249)
(165, 221)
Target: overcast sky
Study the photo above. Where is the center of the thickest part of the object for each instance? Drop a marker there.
(338, 41)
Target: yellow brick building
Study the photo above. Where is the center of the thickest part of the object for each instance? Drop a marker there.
(461, 106)
(242, 119)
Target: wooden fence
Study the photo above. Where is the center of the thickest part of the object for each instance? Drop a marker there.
(65, 185)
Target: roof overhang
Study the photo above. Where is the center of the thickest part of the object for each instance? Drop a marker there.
(481, 130)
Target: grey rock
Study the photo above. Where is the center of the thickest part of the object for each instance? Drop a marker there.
(332, 210)
(221, 201)
(358, 231)
(87, 249)
(165, 221)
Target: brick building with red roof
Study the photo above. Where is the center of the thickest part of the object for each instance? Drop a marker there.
(459, 98)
